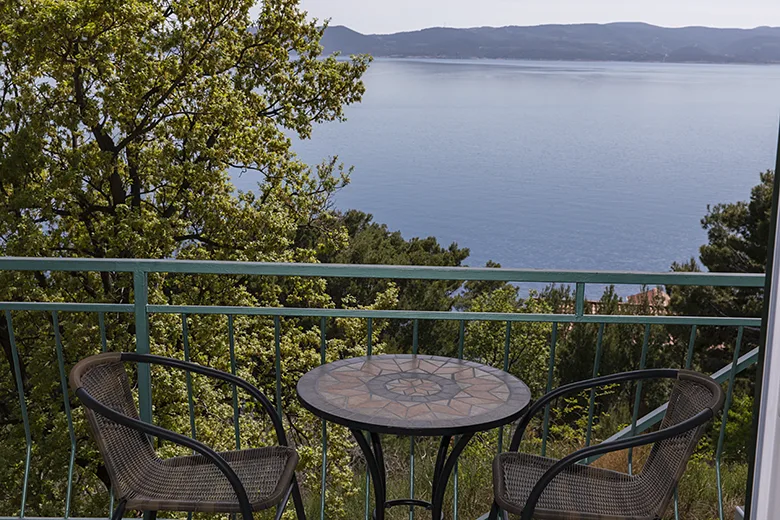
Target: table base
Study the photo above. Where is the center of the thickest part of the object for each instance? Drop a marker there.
(445, 462)
(411, 502)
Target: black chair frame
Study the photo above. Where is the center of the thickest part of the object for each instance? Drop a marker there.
(606, 447)
(199, 447)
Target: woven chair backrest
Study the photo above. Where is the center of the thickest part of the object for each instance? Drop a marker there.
(126, 452)
(692, 393)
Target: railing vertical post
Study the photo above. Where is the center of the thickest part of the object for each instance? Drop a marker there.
(688, 365)
(369, 337)
(507, 344)
(415, 336)
(726, 407)
(232, 348)
(461, 337)
(411, 476)
(638, 397)
(691, 344)
(104, 348)
(278, 363)
(579, 299)
(141, 300)
(102, 327)
(185, 336)
(456, 484)
(415, 346)
(23, 406)
(323, 345)
(592, 401)
(369, 352)
(550, 373)
(66, 403)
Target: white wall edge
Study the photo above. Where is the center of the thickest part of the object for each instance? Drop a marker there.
(766, 477)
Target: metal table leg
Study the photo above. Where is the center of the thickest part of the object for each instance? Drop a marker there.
(442, 478)
(376, 466)
(441, 458)
(380, 458)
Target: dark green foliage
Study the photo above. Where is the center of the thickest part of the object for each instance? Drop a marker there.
(119, 124)
(621, 347)
(373, 243)
(737, 238)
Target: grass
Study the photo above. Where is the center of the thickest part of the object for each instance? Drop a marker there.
(698, 497)
(475, 478)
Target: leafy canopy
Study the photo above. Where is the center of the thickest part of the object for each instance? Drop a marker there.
(373, 243)
(737, 239)
(119, 121)
(119, 124)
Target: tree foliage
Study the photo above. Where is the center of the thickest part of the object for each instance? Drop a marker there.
(119, 122)
(373, 243)
(737, 238)
(526, 351)
(620, 346)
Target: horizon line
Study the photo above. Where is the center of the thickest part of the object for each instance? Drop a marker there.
(553, 25)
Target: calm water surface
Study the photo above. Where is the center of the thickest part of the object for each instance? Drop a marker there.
(554, 164)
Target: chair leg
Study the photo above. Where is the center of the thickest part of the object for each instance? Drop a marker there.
(281, 506)
(300, 511)
(119, 511)
(495, 512)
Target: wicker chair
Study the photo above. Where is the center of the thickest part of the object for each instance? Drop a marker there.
(543, 488)
(229, 482)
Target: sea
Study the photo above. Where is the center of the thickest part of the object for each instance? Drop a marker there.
(553, 165)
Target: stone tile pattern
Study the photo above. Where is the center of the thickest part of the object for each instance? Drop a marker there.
(419, 391)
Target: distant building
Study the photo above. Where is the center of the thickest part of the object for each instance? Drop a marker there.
(655, 297)
(653, 301)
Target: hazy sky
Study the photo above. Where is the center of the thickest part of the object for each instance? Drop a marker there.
(383, 16)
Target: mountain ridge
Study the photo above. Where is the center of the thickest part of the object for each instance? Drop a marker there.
(617, 41)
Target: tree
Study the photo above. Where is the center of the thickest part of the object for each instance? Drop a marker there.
(528, 350)
(119, 122)
(373, 243)
(737, 241)
(737, 238)
(621, 347)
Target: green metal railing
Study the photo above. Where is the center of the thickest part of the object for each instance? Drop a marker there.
(141, 310)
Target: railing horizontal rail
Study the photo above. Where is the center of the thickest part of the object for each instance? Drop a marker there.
(657, 415)
(381, 271)
(67, 306)
(67, 518)
(387, 314)
(454, 316)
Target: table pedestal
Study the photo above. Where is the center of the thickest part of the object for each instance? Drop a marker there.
(445, 462)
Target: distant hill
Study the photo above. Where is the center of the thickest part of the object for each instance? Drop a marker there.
(596, 42)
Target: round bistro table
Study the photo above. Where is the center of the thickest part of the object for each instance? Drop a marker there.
(413, 395)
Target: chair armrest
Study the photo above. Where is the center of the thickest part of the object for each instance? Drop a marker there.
(217, 374)
(135, 424)
(605, 447)
(635, 375)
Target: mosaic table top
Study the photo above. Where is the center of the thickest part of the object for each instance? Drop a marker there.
(413, 395)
